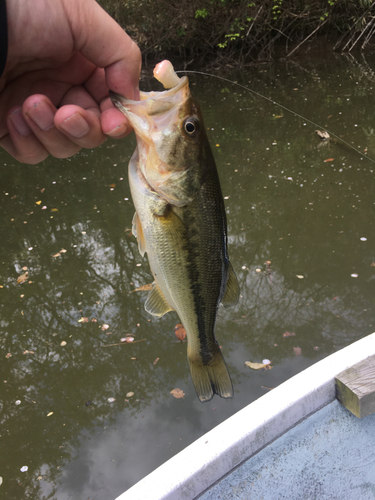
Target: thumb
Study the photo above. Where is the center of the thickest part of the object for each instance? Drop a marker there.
(103, 42)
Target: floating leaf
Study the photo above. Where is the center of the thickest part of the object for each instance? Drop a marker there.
(300, 276)
(177, 393)
(18, 402)
(156, 360)
(104, 327)
(24, 468)
(258, 366)
(179, 331)
(22, 278)
(83, 320)
(38, 202)
(8, 355)
(297, 351)
(28, 352)
(63, 343)
(288, 334)
(111, 400)
(129, 394)
(329, 159)
(56, 255)
(127, 339)
(50, 413)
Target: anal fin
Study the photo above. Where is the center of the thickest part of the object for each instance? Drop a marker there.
(156, 303)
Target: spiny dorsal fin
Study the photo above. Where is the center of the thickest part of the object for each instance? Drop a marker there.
(138, 233)
(156, 303)
(232, 291)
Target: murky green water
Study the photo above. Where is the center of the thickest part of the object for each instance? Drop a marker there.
(301, 241)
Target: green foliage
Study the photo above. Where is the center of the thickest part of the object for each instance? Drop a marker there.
(201, 30)
(201, 13)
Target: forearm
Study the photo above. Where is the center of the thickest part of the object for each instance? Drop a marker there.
(3, 36)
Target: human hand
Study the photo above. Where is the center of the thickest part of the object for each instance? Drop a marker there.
(63, 56)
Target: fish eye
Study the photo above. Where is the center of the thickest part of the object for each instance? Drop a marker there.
(191, 126)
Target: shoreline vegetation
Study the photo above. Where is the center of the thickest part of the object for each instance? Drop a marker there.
(214, 33)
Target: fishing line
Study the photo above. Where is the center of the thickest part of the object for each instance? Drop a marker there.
(281, 106)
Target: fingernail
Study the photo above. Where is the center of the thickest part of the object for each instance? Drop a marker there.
(118, 131)
(42, 115)
(19, 122)
(76, 126)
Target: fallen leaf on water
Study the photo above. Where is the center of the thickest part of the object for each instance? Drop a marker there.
(288, 334)
(22, 278)
(111, 400)
(63, 343)
(179, 331)
(297, 351)
(56, 255)
(104, 327)
(83, 320)
(177, 393)
(38, 202)
(127, 339)
(50, 413)
(8, 355)
(28, 352)
(129, 394)
(24, 468)
(156, 360)
(258, 366)
(299, 276)
(143, 288)
(54, 209)
(328, 159)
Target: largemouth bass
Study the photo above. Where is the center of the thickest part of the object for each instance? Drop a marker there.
(180, 222)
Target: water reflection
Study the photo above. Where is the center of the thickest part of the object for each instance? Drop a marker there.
(299, 226)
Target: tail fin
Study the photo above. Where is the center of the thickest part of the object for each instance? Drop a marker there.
(211, 378)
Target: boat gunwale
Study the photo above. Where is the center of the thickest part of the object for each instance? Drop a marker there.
(201, 465)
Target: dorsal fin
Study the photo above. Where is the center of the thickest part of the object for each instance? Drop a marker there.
(232, 291)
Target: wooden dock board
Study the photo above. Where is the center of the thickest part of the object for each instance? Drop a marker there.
(355, 387)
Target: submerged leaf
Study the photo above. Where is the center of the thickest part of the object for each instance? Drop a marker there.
(288, 334)
(179, 331)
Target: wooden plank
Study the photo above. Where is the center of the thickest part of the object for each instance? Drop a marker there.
(355, 387)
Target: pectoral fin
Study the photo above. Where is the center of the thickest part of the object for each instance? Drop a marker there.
(232, 291)
(138, 233)
(156, 303)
